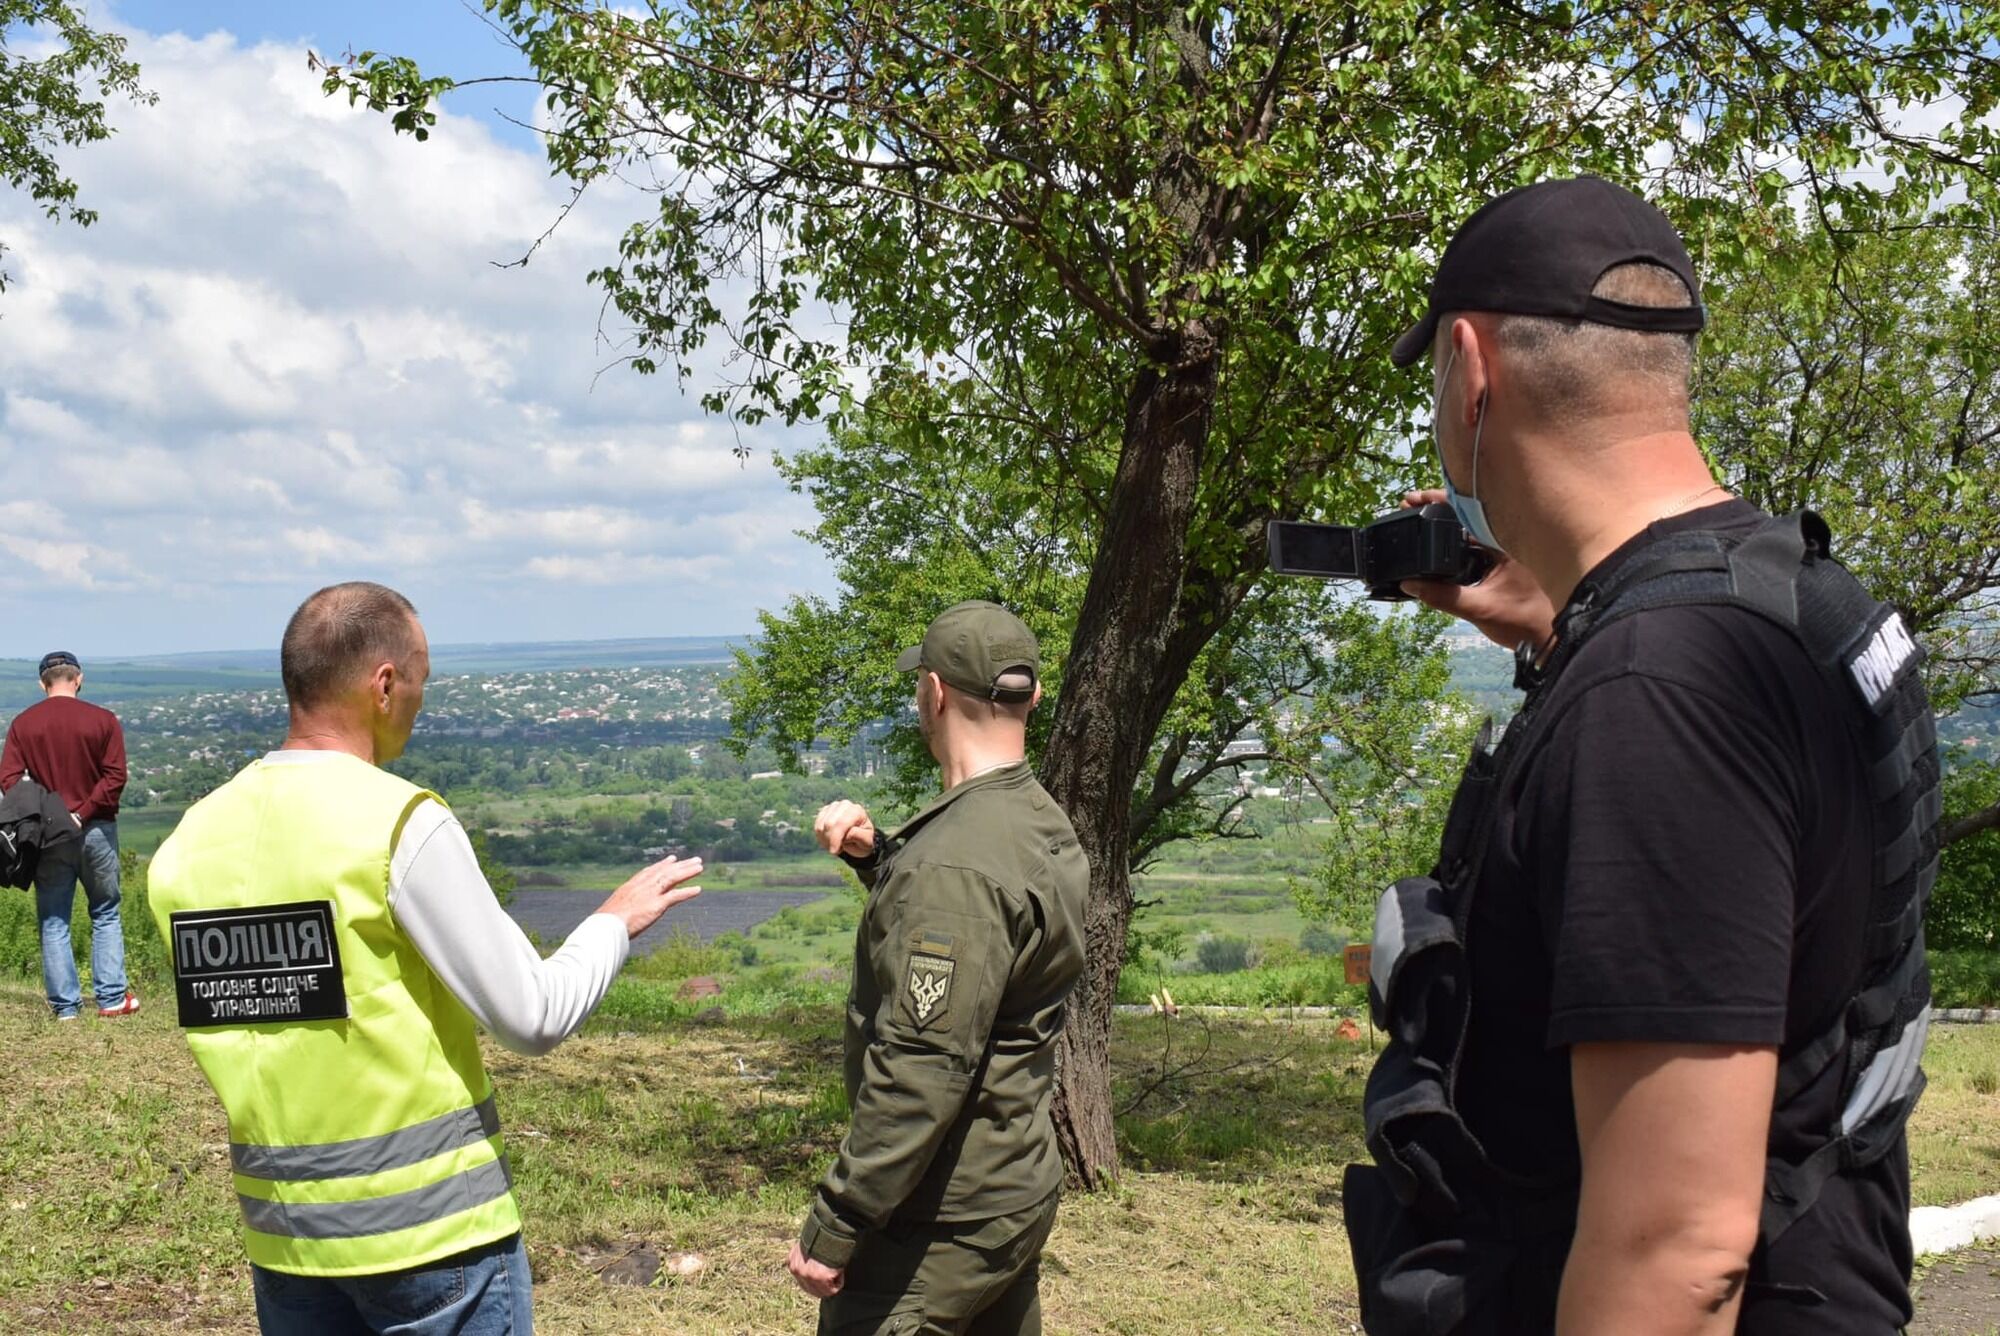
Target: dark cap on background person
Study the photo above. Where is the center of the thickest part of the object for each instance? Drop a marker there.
(58, 658)
(1541, 249)
(973, 646)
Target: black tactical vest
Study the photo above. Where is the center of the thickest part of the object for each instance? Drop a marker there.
(1446, 1242)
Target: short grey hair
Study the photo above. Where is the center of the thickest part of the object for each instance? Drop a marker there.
(1570, 369)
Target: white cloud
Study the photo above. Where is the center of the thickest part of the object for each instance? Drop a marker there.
(619, 568)
(285, 356)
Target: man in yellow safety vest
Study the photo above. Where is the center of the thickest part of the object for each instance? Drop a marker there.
(335, 949)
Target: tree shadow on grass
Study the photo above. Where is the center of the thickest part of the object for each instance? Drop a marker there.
(1229, 1101)
(720, 1110)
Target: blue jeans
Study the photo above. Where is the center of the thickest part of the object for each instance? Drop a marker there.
(484, 1292)
(94, 860)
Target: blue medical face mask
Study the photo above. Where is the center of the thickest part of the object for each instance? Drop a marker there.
(1470, 511)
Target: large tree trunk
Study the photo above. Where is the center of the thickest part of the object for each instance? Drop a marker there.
(1124, 668)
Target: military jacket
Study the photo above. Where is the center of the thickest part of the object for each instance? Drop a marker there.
(969, 944)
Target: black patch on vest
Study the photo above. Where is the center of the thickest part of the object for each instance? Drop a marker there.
(270, 964)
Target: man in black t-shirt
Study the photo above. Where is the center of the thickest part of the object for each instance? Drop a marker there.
(1677, 881)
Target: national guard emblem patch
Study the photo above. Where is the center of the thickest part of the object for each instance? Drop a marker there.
(930, 986)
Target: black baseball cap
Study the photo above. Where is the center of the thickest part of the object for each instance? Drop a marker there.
(57, 658)
(972, 646)
(1539, 250)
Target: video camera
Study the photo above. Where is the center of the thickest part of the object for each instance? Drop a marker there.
(1424, 543)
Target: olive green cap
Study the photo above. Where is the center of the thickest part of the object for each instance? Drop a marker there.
(971, 645)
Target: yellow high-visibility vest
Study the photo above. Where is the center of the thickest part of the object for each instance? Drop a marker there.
(361, 1122)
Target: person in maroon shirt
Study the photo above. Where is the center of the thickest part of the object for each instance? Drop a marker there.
(77, 750)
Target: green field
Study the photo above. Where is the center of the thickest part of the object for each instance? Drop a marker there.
(142, 830)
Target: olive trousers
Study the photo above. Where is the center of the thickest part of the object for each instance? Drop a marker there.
(963, 1278)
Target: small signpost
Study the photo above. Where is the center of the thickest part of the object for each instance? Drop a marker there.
(1357, 958)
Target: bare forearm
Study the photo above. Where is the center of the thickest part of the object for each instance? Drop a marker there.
(1679, 1284)
(1673, 1139)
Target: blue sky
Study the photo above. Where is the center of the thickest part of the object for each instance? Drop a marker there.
(445, 36)
(285, 357)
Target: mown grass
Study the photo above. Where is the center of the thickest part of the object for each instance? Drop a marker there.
(116, 1213)
(1955, 1132)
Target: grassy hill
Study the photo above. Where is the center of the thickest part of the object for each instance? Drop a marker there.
(645, 1137)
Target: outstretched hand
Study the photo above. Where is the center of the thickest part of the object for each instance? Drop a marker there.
(845, 828)
(1507, 607)
(652, 891)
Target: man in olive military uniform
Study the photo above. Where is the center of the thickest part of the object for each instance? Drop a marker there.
(933, 1218)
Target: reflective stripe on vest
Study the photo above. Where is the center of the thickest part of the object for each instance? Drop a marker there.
(368, 1155)
(363, 1143)
(378, 1215)
(1889, 1078)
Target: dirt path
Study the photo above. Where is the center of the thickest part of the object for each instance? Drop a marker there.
(1959, 1294)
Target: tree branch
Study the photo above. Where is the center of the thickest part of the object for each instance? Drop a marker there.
(1968, 826)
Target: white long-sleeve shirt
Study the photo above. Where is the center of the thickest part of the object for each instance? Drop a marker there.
(438, 896)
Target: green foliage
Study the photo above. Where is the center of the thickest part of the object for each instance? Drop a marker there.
(682, 956)
(1153, 950)
(1318, 940)
(46, 102)
(988, 178)
(735, 820)
(146, 959)
(1025, 209)
(20, 935)
(1860, 376)
(1965, 978)
(1384, 831)
(1964, 911)
(498, 875)
(1312, 983)
(387, 83)
(1222, 955)
(146, 964)
(1119, 280)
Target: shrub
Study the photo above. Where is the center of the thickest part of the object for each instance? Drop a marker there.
(1154, 949)
(20, 936)
(1319, 940)
(1964, 911)
(499, 876)
(1277, 953)
(682, 956)
(1222, 955)
(145, 953)
(1965, 978)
